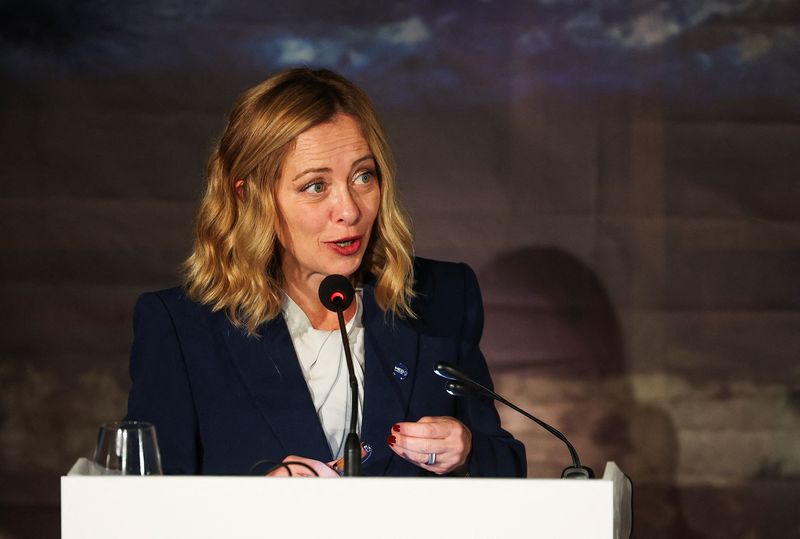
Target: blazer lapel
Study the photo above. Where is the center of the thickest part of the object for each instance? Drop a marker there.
(271, 373)
(391, 351)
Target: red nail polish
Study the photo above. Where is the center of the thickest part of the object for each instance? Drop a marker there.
(391, 440)
(396, 428)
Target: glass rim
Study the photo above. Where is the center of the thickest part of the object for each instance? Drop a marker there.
(127, 425)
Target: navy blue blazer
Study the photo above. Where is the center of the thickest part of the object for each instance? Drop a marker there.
(222, 400)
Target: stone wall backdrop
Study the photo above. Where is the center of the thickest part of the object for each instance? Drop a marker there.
(623, 176)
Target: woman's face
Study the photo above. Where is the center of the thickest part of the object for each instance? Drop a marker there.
(328, 196)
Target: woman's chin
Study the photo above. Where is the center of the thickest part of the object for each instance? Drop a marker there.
(347, 268)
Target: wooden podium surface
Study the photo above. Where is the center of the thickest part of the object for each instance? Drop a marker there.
(239, 507)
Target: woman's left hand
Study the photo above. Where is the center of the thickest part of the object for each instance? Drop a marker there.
(445, 437)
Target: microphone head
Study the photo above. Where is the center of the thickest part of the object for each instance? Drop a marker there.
(460, 389)
(336, 292)
(447, 371)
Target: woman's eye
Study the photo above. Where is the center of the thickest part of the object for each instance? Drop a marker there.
(364, 177)
(314, 187)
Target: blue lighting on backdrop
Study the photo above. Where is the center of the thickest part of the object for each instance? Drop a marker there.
(474, 51)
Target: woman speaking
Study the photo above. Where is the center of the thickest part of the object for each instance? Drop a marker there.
(243, 364)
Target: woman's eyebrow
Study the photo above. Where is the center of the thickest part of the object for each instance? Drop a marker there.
(310, 170)
(364, 158)
(323, 170)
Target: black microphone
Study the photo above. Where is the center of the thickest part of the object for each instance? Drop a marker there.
(460, 385)
(336, 294)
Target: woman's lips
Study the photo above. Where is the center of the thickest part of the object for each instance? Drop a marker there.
(345, 246)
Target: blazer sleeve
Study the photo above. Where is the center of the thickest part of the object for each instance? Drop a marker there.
(161, 392)
(495, 453)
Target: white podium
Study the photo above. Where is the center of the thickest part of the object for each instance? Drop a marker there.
(244, 507)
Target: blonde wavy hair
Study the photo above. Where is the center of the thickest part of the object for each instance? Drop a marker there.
(235, 261)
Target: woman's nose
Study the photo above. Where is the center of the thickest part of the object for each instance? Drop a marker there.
(345, 209)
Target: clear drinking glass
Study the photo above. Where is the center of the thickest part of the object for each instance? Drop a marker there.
(127, 448)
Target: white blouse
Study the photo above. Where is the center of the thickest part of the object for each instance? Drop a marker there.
(322, 360)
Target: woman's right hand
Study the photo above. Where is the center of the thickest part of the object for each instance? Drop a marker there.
(322, 469)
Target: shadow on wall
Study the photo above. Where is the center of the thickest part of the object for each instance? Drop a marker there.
(554, 343)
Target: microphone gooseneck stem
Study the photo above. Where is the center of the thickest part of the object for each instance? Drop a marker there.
(555, 432)
(461, 385)
(351, 373)
(352, 445)
(574, 454)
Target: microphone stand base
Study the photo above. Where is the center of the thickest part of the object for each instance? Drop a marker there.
(577, 472)
(352, 456)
